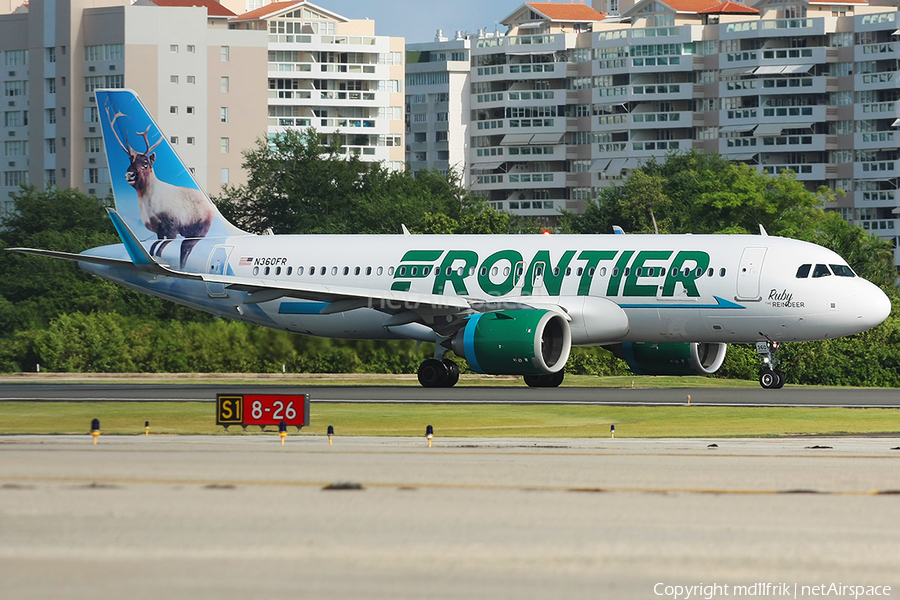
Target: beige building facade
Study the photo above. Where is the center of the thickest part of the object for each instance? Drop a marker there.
(182, 60)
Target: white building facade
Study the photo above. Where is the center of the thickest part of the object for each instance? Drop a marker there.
(334, 74)
(570, 100)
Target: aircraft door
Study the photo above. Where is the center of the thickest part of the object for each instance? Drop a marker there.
(218, 265)
(537, 278)
(748, 275)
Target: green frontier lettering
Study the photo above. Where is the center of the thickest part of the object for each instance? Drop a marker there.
(455, 273)
(552, 277)
(687, 266)
(414, 270)
(591, 258)
(484, 274)
(632, 288)
(615, 279)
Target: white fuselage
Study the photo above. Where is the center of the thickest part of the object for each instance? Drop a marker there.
(679, 288)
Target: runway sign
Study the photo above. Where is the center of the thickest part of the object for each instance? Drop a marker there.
(262, 409)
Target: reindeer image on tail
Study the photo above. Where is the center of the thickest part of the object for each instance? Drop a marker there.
(166, 210)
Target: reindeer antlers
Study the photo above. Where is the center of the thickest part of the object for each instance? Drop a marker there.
(147, 141)
(112, 125)
(126, 147)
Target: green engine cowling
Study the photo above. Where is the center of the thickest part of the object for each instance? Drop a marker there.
(515, 342)
(671, 358)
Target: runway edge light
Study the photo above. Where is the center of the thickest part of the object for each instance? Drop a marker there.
(146, 427)
(612, 431)
(95, 429)
(282, 431)
(429, 433)
(330, 434)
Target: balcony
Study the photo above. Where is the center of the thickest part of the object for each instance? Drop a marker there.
(535, 180)
(784, 114)
(657, 92)
(879, 169)
(658, 148)
(792, 143)
(875, 81)
(663, 63)
(661, 120)
(877, 198)
(882, 51)
(804, 172)
(876, 140)
(877, 110)
(792, 56)
(886, 227)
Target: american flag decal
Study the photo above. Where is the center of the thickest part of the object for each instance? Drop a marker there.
(246, 261)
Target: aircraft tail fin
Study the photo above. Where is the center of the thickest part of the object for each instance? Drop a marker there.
(156, 195)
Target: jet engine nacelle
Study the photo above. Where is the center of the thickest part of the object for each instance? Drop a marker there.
(671, 358)
(515, 342)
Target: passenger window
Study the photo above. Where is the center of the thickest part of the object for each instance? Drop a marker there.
(278, 270)
(256, 270)
(379, 271)
(322, 271)
(267, 270)
(299, 271)
(568, 271)
(506, 271)
(602, 271)
(426, 271)
(334, 270)
(312, 270)
(803, 271)
(356, 271)
(290, 270)
(821, 271)
(483, 271)
(368, 270)
(842, 271)
(390, 271)
(710, 272)
(580, 271)
(722, 272)
(346, 270)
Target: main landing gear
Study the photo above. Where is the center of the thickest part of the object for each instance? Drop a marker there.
(434, 373)
(545, 381)
(770, 378)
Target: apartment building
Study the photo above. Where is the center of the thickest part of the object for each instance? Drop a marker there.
(179, 55)
(334, 74)
(438, 105)
(571, 99)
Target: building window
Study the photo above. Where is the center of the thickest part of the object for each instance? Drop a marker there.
(51, 116)
(173, 78)
(224, 176)
(173, 140)
(223, 114)
(190, 110)
(191, 79)
(92, 175)
(51, 55)
(173, 110)
(173, 48)
(50, 177)
(51, 85)
(190, 141)
(223, 84)
(191, 48)
(224, 143)
(224, 54)
(51, 145)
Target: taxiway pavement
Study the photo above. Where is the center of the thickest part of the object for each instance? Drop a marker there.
(513, 394)
(241, 517)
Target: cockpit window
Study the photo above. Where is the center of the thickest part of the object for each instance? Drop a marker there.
(803, 271)
(842, 271)
(821, 271)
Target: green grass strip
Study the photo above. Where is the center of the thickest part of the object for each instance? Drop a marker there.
(460, 421)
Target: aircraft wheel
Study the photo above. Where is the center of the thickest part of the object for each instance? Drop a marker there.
(780, 383)
(432, 373)
(556, 379)
(452, 372)
(533, 380)
(545, 381)
(768, 380)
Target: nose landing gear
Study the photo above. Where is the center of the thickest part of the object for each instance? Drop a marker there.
(770, 378)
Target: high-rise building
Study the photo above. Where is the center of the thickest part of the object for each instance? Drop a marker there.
(334, 74)
(437, 105)
(571, 99)
(179, 55)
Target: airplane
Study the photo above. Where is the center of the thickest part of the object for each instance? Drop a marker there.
(507, 304)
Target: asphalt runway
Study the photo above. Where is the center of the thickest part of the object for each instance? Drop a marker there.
(513, 394)
(245, 517)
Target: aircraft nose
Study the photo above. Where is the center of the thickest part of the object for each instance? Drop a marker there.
(874, 306)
